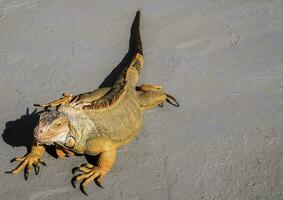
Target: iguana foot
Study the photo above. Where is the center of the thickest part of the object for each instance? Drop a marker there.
(27, 162)
(153, 95)
(89, 173)
(65, 100)
(169, 98)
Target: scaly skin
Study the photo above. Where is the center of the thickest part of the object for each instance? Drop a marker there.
(97, 122)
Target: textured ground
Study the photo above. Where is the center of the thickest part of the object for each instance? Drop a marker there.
(222, 59)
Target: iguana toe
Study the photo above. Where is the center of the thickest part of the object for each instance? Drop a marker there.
(88, 175)
(148, 87)
(84, 169)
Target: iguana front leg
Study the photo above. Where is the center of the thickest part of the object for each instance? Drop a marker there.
(30, 160)
(107, 156)
(62, 152)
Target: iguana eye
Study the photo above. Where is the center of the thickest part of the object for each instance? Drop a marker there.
(70, 142)
(58, 124)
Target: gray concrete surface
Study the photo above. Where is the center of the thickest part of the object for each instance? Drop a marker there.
(222, 59)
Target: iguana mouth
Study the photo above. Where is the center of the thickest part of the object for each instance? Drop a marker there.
(44, 140)
(43, 136)
(52, 139)
(40, 139)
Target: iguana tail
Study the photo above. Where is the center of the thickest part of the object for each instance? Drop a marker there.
(135, 43)
(135, 52)
(128, 77)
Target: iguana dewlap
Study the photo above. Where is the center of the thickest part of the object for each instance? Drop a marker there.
(98, 122)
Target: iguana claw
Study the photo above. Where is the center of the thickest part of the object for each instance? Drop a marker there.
(13, 160)
(172, 100)
(161, 105)
(26, 173)
(41, 162)
(74, 170)
(36, 169)
(99, 182)
(74, 181)
(82, 188)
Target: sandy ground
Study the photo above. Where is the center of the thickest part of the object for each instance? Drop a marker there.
(222, 59)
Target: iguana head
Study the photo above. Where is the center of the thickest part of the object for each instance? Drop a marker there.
(53, 128)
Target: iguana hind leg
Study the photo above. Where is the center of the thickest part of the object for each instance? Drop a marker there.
(153, 95)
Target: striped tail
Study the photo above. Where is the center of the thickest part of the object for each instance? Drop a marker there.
(135, 43)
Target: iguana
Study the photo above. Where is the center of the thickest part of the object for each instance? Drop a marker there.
(98, 122)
